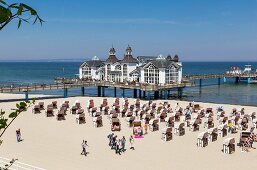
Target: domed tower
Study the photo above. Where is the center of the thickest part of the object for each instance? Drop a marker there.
(176, 58)
(169, 58)
(128, 50)
(112, 56)
(112, 51)
(128, 58)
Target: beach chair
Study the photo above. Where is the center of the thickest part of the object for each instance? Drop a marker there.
(222, 130)
(60, 115)
(49, 112)
(229, 146)
(54, 104)
(115, 124)
(167, 134)
(153, 125)
(194, 125)
(177, 116)
(81, 119)
(80, 111)
(137, 128)
(210, 123)
(170, 121)
(196, 107)
(41, 105)
(179, 128)
(212, 134)
(67, 104)
(73, 110)
(162, 116)
(202, 139)
(36, 109)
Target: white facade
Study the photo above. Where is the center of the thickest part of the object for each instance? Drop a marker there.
(151, 70)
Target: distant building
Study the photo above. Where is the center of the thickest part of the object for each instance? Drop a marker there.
(143, 69)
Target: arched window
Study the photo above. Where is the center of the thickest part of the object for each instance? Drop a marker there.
(171, 75)
(125, 70)
(117, 67)
(151, 75)
(108, 67)
(86, 71)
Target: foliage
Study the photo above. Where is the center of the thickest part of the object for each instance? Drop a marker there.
(3, 121)
(13, 114)
(20, 107)
(17, 11)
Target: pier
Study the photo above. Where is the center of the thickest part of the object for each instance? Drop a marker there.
(140, 90)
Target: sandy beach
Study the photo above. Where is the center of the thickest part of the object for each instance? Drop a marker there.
(56, 145)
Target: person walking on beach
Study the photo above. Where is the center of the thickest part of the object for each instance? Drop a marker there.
(123, 142)
(114, 140)
(131, 141)
(18, 135)
(84, 148)
(110, 137)
(117, 149)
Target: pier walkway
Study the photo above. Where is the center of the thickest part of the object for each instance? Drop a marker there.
(68, 83)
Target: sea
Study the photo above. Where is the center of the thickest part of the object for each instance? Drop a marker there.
(23, 73)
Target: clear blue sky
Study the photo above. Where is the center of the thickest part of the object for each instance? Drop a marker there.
(196, 30)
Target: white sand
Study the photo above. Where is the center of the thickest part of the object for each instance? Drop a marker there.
(55, 145)
(8, 96)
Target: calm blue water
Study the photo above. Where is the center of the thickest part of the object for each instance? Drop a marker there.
(45, 72)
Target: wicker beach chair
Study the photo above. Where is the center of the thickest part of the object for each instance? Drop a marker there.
(229, 146)
(202, 139)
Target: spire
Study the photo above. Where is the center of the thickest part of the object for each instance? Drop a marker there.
(112, 51)
(128, 50)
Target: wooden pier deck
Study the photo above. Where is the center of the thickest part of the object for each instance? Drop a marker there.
(79, 84)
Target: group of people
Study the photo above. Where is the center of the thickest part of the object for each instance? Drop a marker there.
(119, 144)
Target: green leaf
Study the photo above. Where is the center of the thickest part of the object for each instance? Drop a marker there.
(13, 114)
(19, 12)
(32, 11)
(2, 112)
(3, 123)
(19, 25)
(5, 14)
(2, 2)
(17, 106)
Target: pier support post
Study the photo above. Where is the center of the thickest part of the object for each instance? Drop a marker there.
(161, 94)
(249, 80)
(26, 95)
(156, 94)
(115, 91)
(180, 92)
(82, 91)
(224, 79)
(123, 93)
(200, 83)
(99, 91)
(103, 91)
(219, 81)
(148, 95)
(168, 94)
(140, 95)
(135, 93)
(237, 79)
(144, 94)
(65, 92)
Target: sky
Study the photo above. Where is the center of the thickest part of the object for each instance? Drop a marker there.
(196, 30)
